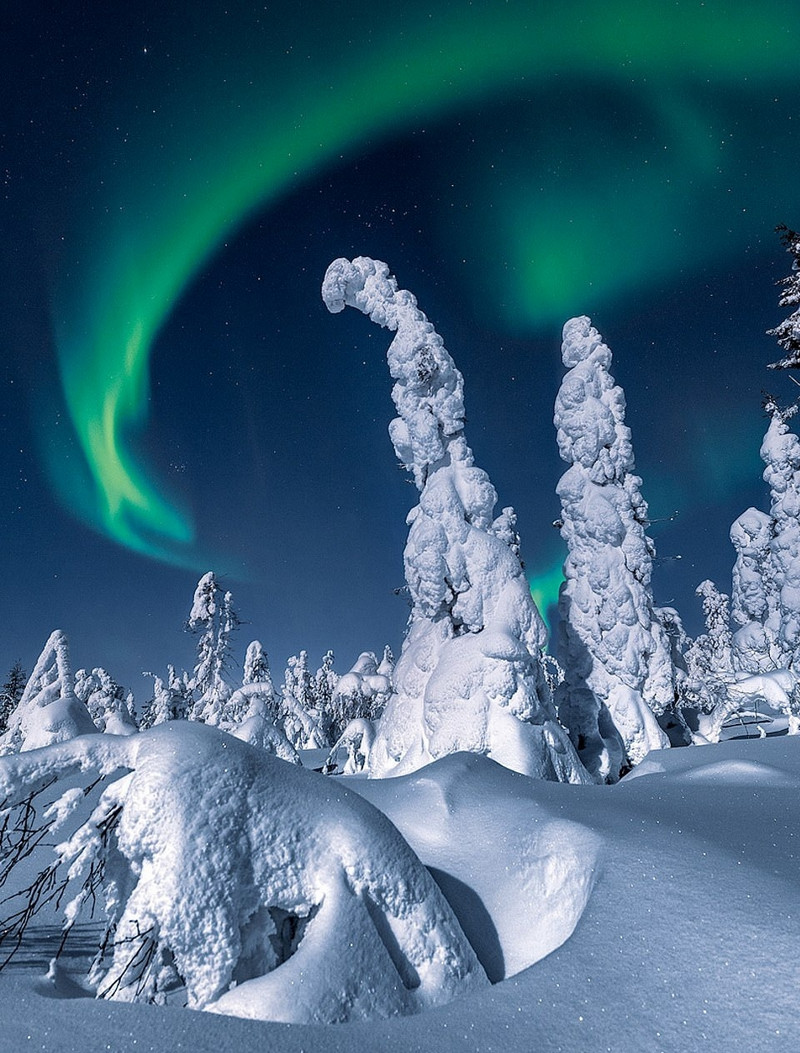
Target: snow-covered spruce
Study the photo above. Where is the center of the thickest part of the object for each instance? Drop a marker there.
(266, 890)
(171, 700)
(49, 710)
(360, 694)
(788, 332)
(780, 452)
(615, 653)
(709, 658)
(754, 596)
(469, 676)
(106, 702)
(213, 619)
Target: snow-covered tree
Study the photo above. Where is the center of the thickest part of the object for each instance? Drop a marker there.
(788, 332)
(213, 619)
(300, 719)
(256, 664)
(615, 653)
(386, 664)
(264, 890)
(709, 658)
(11, 693)
(48, 711)
(754, 597)
(171, 700)
(780, 452)
(469, 676)
(323, 685)
(106, 701)
(361, 694)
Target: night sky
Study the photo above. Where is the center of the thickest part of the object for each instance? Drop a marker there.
(175, 398)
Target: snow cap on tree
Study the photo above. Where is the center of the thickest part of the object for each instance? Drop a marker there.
(49, 711)
(615, 653)
(256, 664)
(469, 676)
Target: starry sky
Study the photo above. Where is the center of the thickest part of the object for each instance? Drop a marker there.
(174, 397)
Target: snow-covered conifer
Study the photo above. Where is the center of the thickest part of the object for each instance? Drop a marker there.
(754, 596)
(709, 658)
(469, 676)
(11, 693)
(300, 718)
(780, 452)
(106, 701)
(171, 699)
(361, 694)
(386, 664)
(615, 653)
(323, 685)
(256, 664)
(788, 332)
(213, 619)
(48, 711)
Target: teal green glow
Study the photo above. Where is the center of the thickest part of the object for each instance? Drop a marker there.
(544, 586)
(186, 162)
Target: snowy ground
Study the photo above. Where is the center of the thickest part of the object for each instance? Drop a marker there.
(667, 909)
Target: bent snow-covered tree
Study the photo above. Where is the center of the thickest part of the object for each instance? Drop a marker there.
(615, 652)
(265, 890)
(469, 676)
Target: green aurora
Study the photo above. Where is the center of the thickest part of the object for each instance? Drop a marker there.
(239, 113)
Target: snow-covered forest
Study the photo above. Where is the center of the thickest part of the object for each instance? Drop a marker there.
(493, 840)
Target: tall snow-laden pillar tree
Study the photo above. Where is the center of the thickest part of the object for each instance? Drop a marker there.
(469, 676)
(754, 597)
(615, 652)
(780, 453)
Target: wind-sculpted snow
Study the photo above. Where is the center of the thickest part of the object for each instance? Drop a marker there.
(470, 675)
(613, 648)
(266, 890)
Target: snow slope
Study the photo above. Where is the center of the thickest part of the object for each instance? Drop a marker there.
(681, 884)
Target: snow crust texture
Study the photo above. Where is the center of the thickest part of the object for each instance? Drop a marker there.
(614, 650)
(469, 676)
(266, 890)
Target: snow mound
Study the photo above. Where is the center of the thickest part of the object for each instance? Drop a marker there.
(523, 898)
(739, 771)
(267, 891)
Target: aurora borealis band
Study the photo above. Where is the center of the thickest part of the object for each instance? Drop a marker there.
(176, 178)
(259, 107)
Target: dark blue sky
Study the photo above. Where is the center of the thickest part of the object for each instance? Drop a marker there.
(633, 169)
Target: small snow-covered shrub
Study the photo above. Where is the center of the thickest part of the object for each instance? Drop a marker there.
(266, 890)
